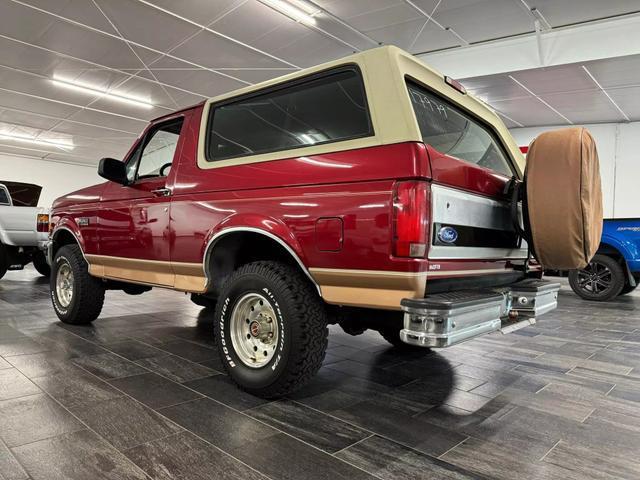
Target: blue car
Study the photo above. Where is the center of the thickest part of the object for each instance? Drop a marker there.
(615, 269)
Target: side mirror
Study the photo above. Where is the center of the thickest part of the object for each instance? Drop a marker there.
(113, 170)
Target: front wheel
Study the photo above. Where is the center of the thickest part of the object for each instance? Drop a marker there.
(271, 327)
(77, 296)
(602, 279)
(40, 263)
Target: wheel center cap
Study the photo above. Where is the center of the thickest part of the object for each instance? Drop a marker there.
(254, 328)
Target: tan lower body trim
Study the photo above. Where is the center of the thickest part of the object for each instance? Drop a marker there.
(188, 277)
(368, 288)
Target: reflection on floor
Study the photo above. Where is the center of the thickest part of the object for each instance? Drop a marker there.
(141, 395)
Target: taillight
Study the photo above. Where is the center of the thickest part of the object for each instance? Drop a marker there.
(410, 222)
(42, 223)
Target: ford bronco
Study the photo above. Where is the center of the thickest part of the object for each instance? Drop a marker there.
(371, 192)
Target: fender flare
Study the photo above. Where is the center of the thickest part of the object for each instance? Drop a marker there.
(220, 233)
(73, 229)
(615, 244)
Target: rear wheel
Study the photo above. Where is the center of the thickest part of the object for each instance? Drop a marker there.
(40, 263)
(77, 296)
(4, 261)
(271, 328)
(602, 279)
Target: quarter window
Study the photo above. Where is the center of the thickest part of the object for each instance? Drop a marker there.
(321, 110)
(452, 132)
(4, 196)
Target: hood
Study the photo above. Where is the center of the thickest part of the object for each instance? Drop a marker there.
(84, 195)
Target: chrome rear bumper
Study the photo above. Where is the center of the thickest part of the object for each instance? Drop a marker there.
(446, 319)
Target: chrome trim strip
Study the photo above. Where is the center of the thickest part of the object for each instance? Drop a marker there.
(272, 236)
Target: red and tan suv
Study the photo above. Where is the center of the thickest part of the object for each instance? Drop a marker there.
(371, 192)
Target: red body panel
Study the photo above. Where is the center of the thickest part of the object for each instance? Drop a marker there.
(288, 198)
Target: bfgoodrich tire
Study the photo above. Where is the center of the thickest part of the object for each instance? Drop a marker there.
(602, 279)
(271, 328)
(77, 296)
(40, 264)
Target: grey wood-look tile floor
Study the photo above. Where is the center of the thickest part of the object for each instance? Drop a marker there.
(141, 394)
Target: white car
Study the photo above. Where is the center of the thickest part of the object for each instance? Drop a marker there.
(24, 228)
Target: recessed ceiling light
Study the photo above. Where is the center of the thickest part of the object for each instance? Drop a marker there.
(295, 9)
(34, 136)
(101, 92)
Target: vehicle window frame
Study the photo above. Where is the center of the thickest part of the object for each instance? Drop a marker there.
(283, 86)
(9, 202)
(479, 121)
(136, 153)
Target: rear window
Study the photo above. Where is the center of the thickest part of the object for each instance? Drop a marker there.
(452, 132)
(320, 110)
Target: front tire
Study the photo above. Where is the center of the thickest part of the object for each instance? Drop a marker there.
(77, 296)
(603, 279)
(40, 264)
(271, 327)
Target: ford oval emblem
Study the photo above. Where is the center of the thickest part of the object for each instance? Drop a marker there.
(447, 235)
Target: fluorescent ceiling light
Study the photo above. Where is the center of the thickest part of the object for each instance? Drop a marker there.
(101, 92)
(34, 136)
(297, 10)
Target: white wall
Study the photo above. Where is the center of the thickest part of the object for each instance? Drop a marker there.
(619, 153)
(55, 178)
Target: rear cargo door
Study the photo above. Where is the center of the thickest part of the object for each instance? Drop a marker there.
(471, 227)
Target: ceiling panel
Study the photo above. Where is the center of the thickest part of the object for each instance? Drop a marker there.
(567, 12)
(616, 72)
(203, 12)
(81, 11)
(564, 78)
(112, 121)
(250, 21)
(528, 111)
(584, 107)
(475, 20)
(628, 99)
(493, 88)
(147, 26)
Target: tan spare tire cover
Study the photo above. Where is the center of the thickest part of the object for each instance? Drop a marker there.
(564, 198)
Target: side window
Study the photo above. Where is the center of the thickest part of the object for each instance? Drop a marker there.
(321, 110)
(4, 196)
(154, 157)
(452, 132)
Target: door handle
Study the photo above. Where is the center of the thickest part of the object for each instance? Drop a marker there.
(161, 192)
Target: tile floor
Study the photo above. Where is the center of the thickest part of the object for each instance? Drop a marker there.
(141, 394)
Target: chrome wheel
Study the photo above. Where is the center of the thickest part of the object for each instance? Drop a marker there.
(595, 278)
(64, 284)
(254, 330)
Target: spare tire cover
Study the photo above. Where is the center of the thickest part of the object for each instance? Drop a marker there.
(564, 198)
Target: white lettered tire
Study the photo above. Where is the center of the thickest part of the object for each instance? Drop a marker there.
(271, 328)
(77, 297)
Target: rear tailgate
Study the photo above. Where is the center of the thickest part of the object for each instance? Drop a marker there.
(473, 241)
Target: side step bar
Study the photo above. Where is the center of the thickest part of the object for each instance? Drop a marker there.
(447, 319)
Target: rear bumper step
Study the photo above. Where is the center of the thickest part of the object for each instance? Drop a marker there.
(447, 319)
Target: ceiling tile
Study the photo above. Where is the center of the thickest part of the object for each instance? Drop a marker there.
(80, 11)
(563, 78)
(616, 72)
(528, 111)
(477, 21)
(584, 107)
(567, 12)
(492, 88)
(628, 99)
(202, 12)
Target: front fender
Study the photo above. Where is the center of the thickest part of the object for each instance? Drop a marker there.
(628, 249)
(70, 226)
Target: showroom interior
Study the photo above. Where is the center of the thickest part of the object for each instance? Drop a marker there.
(351, 245)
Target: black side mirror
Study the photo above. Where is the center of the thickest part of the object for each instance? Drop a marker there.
(113, 170)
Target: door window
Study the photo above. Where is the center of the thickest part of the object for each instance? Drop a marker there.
(452, 132)
(154, 157)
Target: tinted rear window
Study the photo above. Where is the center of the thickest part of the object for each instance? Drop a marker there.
(316, 111)
(452, 132)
